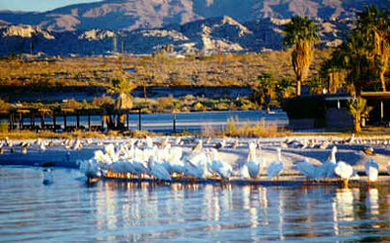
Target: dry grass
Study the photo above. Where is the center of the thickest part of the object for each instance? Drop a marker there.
(209, 131)
(49, 134)
(251, 129)
(139, 134)
(212, 71)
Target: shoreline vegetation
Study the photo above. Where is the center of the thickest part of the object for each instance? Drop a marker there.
(233, 130)
(268, 75)
(359, 64)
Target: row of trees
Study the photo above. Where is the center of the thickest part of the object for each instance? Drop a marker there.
(363, 56)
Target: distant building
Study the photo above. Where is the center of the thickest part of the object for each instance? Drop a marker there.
(332, 111)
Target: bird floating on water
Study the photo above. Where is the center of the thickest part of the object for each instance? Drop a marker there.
(369, 151)
(47, 177)
(157, 170)
(276, 167)
(307, 169)
(252, 162)
(344, 171)
(372, 170)
(326, 170)
(24, 150)
(221, 168)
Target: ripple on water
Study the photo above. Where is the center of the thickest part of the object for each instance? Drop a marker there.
(70, 210)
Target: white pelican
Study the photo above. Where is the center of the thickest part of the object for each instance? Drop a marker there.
(198, 147)
(38, 141)
(110, 151)
(164, 142)
(103, 161)
(123, 166)
(344, 170)
(77, 145)
(139, 164)
(219, 167)
(372, 170)
(326, 170)
(307, 169)
(68, 143)
(47, 177)
(178, 141)
(89, 168)
(158, 170)
(24, 150)
(176, 164)
(388, 167)
(276, 167)
(220, 144)
(244, 173)
(42, 147)
(149, 142)
(197, 166)
(253, 163)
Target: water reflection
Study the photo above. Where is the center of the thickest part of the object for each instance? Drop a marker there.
(116, 211)
(372, 201)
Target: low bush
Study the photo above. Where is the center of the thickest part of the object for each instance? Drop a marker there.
(250, 129)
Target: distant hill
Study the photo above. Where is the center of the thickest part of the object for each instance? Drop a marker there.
(145, 14)
(220, 34)
(188, 26)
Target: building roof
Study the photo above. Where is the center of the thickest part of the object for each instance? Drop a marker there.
(378, 95)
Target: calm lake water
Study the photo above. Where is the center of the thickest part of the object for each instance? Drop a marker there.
(71, 210)
(192, 121)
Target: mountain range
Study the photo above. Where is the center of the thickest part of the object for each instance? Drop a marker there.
(143, 26)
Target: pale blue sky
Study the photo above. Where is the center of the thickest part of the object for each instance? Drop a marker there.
(38, 5)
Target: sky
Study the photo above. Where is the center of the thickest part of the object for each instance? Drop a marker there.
(38, 5)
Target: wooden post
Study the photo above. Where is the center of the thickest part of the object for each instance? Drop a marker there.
(89, 121)
(20, 120)
(10, 121)
(139, 119)
(54, 122)
(31, 120)
(65, 121)
(174, 123)
(42, 122)
(128, 120)
(382, 112)
(77, 120)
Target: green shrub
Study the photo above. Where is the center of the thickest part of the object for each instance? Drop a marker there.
(3, 127)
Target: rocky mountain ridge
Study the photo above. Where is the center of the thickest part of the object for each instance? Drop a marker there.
(146, 14)
(220, 34)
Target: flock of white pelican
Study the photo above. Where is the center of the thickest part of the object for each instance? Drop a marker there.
(164, 160)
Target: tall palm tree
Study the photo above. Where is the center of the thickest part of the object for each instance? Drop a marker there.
(374, 23)
(302, 33)
(124, 101)
(354, 55)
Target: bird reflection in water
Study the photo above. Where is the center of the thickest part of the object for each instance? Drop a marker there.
(106, 208)
(343, 207)
(372, 203)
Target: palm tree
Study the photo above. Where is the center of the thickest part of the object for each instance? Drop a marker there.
(124, 101)
(302, 33)
(375, 25)
(358, 109)
(354, 55)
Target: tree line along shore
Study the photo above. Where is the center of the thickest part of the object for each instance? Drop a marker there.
(359, 64)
